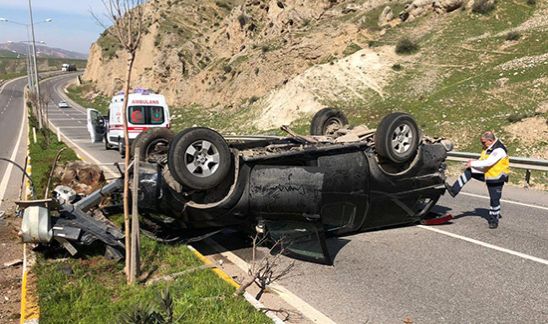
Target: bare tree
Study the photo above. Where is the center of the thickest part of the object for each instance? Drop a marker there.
(268, 269)
(127, 21)
(45, 99)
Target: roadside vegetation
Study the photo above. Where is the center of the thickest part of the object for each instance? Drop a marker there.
(42, 154)
(94, 290)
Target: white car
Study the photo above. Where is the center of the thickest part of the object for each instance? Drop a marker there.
(63, 104)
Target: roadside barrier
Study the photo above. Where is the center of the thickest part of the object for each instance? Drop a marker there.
(526, 164)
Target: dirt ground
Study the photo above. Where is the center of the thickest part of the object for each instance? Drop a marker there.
(366, 69)
(10, 277)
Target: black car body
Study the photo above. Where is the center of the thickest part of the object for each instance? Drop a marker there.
(303, 191)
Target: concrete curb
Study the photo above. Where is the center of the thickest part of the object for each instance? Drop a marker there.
(223, 275)
(30, 311)
(295, 301)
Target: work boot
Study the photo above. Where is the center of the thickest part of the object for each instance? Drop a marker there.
(493, 225)
(450, 190)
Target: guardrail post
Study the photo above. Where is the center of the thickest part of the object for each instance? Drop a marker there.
(527, 177)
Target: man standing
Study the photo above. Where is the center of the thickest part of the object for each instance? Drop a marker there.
(493, 167)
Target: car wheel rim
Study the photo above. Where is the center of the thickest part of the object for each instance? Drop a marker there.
(202, 158)
(402, 138)
(156, 148)
(331, 126)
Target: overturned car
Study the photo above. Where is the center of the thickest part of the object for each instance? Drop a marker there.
(336, 181)
(301, 188)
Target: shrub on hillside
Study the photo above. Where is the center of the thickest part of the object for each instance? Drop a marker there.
(406, 46)
(351, 49)
(242, 19)
(483, 7)
(531, 2)
(512, 36)
(397, 67)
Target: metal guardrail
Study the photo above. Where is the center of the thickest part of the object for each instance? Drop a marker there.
(515, 162)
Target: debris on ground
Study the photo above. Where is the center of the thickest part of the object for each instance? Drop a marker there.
(13, 263)
(82, 177)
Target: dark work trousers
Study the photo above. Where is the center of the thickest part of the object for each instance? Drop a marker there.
(495, 192)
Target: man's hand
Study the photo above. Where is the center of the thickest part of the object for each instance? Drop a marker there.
(468, 164)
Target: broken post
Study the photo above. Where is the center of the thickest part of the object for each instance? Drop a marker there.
(135, 242)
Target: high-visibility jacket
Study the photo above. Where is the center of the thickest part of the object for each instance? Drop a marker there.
(501, 169)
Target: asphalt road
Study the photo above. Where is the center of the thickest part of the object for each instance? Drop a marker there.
(13, 137)
(460, 272)
(71, 122)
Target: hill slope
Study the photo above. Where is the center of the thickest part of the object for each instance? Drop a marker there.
(251, 65)
(43, 51)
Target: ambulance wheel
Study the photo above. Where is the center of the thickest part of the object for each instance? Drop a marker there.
(107, 145)
(327, 121)
(199, 158)
(152, 143)
(397, 137)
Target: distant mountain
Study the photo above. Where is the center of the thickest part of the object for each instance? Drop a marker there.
(41, 51)
(7, 53)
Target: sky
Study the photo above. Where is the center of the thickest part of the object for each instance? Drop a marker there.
(73, 28)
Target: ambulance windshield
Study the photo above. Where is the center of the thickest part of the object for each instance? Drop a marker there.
(146, 115)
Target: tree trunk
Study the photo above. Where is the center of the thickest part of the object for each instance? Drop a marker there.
(127, 227)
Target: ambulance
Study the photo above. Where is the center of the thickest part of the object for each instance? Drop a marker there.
(145, 110)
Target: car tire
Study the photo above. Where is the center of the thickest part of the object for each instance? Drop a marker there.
(327, 121)
(152, 143)
(196, 166)
(397, 137)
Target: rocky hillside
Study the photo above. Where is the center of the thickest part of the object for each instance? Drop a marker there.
(460, 66)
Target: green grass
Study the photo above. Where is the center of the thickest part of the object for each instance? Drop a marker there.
(78, 92)
(94, 290)
(463, 98)
(42, 154)
(351, 49)
(108, 45)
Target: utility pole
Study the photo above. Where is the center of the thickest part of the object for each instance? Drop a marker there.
(36, 80)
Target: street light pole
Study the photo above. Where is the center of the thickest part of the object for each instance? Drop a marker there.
(37, 81)
(30, 70)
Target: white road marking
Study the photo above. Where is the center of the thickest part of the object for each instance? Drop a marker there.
(506, 201)
(487, 245)
(306, 309)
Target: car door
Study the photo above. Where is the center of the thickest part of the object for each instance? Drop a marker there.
(287, 200)
(96, 125)
(301, 239)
